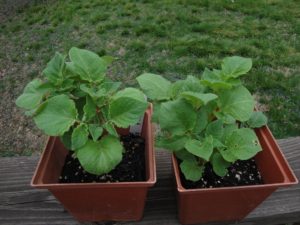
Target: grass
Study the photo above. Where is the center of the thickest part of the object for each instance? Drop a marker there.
(174, 38)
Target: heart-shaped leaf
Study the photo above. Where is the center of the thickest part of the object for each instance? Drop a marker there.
(243, 143)
(89, 109)
(55, 68)
(101, 156)
(215, 128)
(155, 86)
(177, 116)
(219, 164)
(237, 102)
(127, 107)
(57, 115)
(32, 95)
(202, 149)
(236, 66)
(96, 131)
(191, 170)
(79, 136)
(88, 65)
(257, 119)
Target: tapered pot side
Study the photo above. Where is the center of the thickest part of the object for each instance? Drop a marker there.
(235, 203)
(123, 201)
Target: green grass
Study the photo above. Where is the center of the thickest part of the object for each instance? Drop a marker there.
(171, 37)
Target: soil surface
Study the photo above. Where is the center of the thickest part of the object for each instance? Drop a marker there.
(131, 168)
(239, 174)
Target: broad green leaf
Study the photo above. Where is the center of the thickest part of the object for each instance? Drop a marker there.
(185, 155)
(101, 156)
(219, 164)
(155, 86)
(218, 144)
(57, 116)
(177, 116)
(237, 102)
(228, 155)
(96, 131)
(126, 111)
(127, 107)
(46, 87)
(66, 139)
(257, 119)
(110, 87)
(32, 95)
(130, 93)
(198, 99)
(202, 149)
(236, 66)
(79, 136)
(35, 111)
(201, 121)
(55, 68)
(213, 80)
(89, 109)
(110, 129)
(88, 65)
(243, 143)
(71, 70)
(215, 129)
(228, 129)
(226, 118)
(191, 170)
(191, 83)
(175, 143)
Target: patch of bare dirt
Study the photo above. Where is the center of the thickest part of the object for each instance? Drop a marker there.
(17, 132)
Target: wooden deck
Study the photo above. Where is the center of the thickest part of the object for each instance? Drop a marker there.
(21, 204)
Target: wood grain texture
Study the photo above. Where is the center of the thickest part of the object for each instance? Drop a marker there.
(21, 204)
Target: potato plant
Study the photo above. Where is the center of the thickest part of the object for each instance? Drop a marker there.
(76, 101)
(208, 119)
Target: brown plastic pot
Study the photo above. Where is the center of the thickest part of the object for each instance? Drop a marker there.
(123, 201)
(235, 203)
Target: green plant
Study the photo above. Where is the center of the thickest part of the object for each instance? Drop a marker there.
(208, 119)
(78, 103)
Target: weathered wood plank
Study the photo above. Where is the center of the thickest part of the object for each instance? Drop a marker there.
(20, 204)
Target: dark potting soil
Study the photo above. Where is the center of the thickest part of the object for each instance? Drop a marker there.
(131, 168)
(239, 174)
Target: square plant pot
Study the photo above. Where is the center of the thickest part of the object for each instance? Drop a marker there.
(235, 203)
(123, 201)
